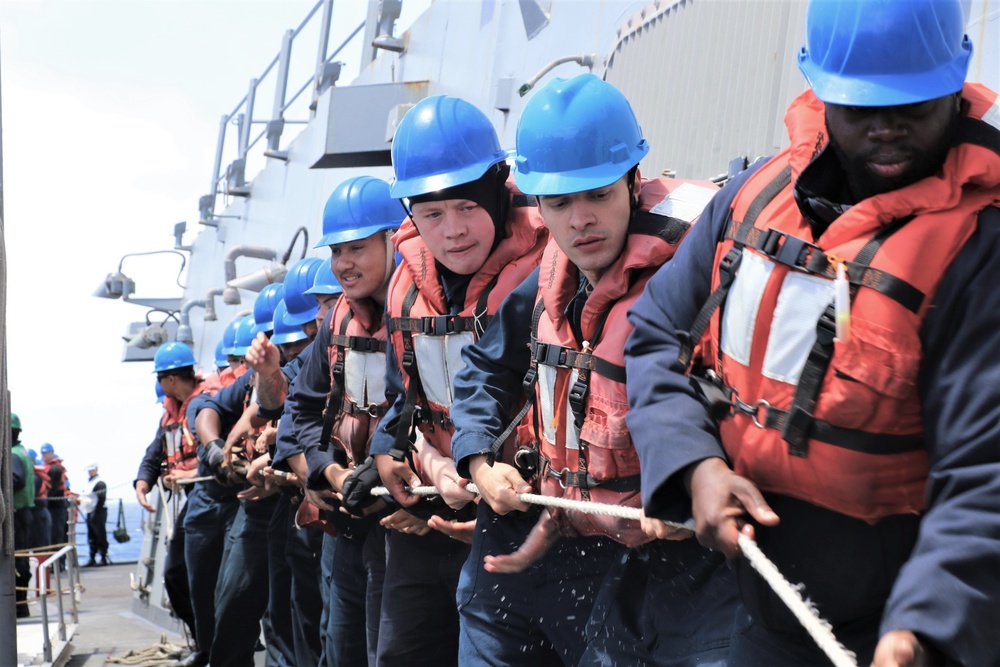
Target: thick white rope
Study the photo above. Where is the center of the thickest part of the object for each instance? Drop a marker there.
(184, 481)
(804, 611)
(819, 629)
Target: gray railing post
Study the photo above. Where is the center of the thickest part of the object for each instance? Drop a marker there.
(247, 118)
(280, 90)
(321, 48)
(46, 640)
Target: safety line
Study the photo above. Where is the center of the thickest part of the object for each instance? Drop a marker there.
(806, 613)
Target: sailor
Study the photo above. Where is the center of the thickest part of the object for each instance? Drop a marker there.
(242, 588)
(172, 456)
(58, 510)
(41, 522)
(91, 503)
(23, 480)
(469, 240)
(336, 404)
(295, 605)
(578, 150)
(212, 504)
(843, 298)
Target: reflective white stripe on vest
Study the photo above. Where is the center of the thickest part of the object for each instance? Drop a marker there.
(364, 377)
(801, 302)
(792, 331)
(685, 203)
(546, 388)
(992, 115)
(742, 304)
(172, 438)
(439, 359)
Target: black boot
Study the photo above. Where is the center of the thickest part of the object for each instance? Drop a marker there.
(196, 659)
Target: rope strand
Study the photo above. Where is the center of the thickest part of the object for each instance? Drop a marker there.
(819, 629)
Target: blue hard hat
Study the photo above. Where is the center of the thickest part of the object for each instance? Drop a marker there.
(160, 394)
(285, 331)
(229, 336)
(172, 355)
(358, 208)
(220, 355)
(245, 334)
(440, 143)
(263, 307)
(301, 307)
(574, 135)
(884, 52)
(47, 448)
(34, 457)
(325, 282)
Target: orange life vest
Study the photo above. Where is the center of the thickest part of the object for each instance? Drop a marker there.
(179, 443)
(580, 400)
(43, 483)
(426, 340)
(219, 380)
(60, 490)
(838, 423)
(357, 375)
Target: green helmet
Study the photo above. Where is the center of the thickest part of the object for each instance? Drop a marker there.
(15, 421)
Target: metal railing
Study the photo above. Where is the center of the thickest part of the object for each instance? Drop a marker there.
(242, 115)
(45, 571)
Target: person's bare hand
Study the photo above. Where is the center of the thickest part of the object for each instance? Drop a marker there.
(405, 522)
(719, 500)
(263, 355)
(442, 473)
(901, 648)
(141, 491)
(660, 530)
(499, 484)
(255, 472)
(457, 530)
(266, 438)
(256, 493)
(171, 478)
(541, 538)
(398, 477)
(320, 498)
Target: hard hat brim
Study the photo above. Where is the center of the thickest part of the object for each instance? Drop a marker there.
(885, 90)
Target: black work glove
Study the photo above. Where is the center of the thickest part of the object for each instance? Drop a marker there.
(357, 490)
(214, 459)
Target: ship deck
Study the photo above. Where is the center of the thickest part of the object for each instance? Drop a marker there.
(107, 625)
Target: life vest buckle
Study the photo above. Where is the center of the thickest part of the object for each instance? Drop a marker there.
(784, 248)
(558, 475)
(752, 409)
(439, 325)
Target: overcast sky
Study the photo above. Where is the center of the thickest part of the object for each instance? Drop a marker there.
(110, 119)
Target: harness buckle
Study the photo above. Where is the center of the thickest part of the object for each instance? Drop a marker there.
(752, 409)
(526, 461)
(438, 325)
(558, 475)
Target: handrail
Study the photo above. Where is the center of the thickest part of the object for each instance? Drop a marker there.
(68, 552)
(242, 113)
